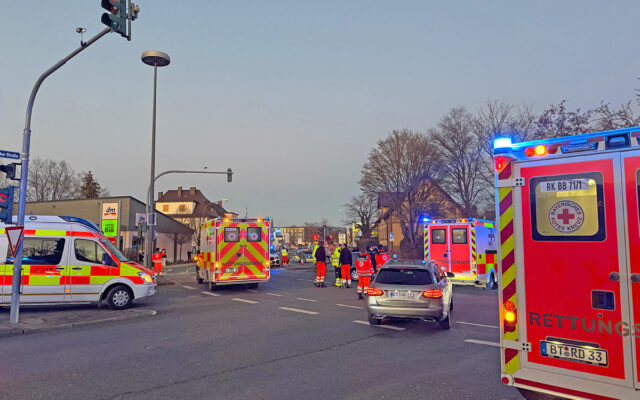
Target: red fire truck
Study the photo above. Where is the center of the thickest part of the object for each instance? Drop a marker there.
(466, 247)
(234, 251)
(569, 262)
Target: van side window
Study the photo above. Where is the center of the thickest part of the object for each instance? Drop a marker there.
(37, 251)
(439, 236)
(459, 236)
(568, 207)
(88, 251)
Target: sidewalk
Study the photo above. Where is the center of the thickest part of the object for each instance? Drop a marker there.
(35, 319)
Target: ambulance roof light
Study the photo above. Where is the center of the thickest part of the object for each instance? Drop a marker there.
(501, 142)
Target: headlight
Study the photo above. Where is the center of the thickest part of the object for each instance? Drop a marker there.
(145, 277)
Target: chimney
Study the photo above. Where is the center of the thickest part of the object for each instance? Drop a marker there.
(179, 191)
(219, 203)
(160, 195)
(192, 190)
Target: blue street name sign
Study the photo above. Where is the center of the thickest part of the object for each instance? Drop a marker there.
(9, 154)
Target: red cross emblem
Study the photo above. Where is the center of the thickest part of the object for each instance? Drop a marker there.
(565, 216)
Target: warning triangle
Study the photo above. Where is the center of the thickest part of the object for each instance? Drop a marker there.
(14, 234)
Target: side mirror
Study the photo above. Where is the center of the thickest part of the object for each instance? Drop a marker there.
(451, 275)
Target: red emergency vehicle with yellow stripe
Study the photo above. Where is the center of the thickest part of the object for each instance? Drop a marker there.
(569, 232)
(68, 259)
(466, 246)
(234, 251)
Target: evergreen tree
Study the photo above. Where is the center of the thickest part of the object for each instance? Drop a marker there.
(90, 188)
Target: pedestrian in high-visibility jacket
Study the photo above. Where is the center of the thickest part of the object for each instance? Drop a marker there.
(335, 261)
(321, 267)
(157, 262)
(285, 256)
(365, 271)
(345, 265)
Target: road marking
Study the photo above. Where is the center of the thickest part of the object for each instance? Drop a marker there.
(251, 290)
(346, 305)
(483, 342)
(245, 300)
(298, 310)
(188, 287)
(210, 294)
(394, 328)
(273, 294)
(471, 323)
(300, 298)
(307, 280)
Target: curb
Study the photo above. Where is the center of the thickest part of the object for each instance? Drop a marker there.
(26, 331)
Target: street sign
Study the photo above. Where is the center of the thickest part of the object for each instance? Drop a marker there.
(14, 233)
(141, 218)
(9, 154)
(110, 228)
(391, 236)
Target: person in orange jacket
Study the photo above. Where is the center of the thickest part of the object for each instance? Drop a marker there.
(365, 271)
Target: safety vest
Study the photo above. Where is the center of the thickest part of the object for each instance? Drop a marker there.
(284, 252)
(335, 257)
(314, 250)
(364, 266)
(157, 257)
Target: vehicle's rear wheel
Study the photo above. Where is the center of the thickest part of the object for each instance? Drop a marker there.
(374, 321)
(253, 285)
(198, 279)
(445, 323)
(354, 274)
(119, 297)
(212, 286)
(492, 284)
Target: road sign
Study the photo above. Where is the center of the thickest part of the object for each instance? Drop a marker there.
(391, 236)
(9, 154)
(14, 233)
(141, 218)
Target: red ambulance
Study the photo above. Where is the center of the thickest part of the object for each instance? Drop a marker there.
(569, 262)
(464, 246)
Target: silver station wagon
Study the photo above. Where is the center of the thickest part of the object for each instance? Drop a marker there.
(411, 289)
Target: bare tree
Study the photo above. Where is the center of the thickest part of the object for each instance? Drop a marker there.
(52, 180)
(462, 153)
(606, 118)
(406, 167)
(556, 121)
(364, 211)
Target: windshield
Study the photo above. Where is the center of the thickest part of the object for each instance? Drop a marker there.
(409, 276)
(114, 250)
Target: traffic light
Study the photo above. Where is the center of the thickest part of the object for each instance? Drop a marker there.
(6, 204)
(316, 237)
(116, 18)
(9, 170)
(229, 174)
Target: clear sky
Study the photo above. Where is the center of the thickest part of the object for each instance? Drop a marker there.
(292, 95)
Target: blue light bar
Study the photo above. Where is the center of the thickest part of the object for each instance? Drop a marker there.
(502, 142)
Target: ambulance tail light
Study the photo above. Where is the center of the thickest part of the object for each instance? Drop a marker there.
(374, 291)
(509, 313)
(536, 151)
(432, 294)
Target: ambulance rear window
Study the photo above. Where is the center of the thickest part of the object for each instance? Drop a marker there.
(459, 236)
(231, 234)
(439, 236)
(254, 234)
(568, 207)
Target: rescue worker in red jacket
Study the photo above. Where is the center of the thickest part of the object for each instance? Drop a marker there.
(365, 271)
(157, 262)
(321, 267)
(345, 265)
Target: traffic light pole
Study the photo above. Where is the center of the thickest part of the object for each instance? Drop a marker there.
(26, 144)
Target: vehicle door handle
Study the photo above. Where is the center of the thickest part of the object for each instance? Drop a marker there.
(635, 278)
(59, 268)
(76, 268)
(614, 276)
(444, 255)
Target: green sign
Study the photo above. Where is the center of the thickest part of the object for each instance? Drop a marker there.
(110, 227)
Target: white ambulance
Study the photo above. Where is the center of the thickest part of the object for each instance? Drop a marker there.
(569, 232)
(466, 247)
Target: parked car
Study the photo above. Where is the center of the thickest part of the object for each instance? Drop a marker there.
(411, 289)
(274, 259)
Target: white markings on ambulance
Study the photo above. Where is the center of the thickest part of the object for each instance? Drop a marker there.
(188, 287)
(303, 299)
(346, 305)
(211, 294)
(245, 300)
(393, 328)
(473, 324)
(298, 310)
(484, 342)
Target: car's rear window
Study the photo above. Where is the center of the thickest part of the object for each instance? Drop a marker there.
(400, 276)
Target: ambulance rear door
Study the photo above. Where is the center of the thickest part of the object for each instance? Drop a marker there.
(256, 250)
(230, 254)
(439, 245)
(460, 250)
(571, 268)
(631, 166)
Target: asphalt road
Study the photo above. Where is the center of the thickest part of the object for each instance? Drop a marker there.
(285, 340)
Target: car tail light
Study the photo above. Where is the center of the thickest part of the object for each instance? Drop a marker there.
(373, 291)
(432, 294)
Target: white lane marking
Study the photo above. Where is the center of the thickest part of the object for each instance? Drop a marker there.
(346, 305)
(210, 294)
(471, 323)
(298, 310)
(308, 280)
(251, 290)
(188, 287)
(245, 300)
(483, 342)
(394, 328)
(274, 294)
(303, 299)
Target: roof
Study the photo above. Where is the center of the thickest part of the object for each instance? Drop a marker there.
(203, 208)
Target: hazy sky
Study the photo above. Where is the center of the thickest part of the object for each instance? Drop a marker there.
(292, 95)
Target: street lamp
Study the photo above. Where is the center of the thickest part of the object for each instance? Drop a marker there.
(157, 59)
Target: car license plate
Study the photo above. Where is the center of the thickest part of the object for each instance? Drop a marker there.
(401, 295)
(581, 354)
(231, 270)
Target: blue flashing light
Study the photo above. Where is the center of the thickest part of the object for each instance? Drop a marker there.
(500, 143)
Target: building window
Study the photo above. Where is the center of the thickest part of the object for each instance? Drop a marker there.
(165, 208)
(182, 208)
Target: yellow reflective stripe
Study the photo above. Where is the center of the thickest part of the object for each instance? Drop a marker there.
(47, 232)
(98, 280)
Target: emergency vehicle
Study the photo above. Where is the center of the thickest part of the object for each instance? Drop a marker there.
(234, 251)
(570, 264)
(68, 259)
(467, 247)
